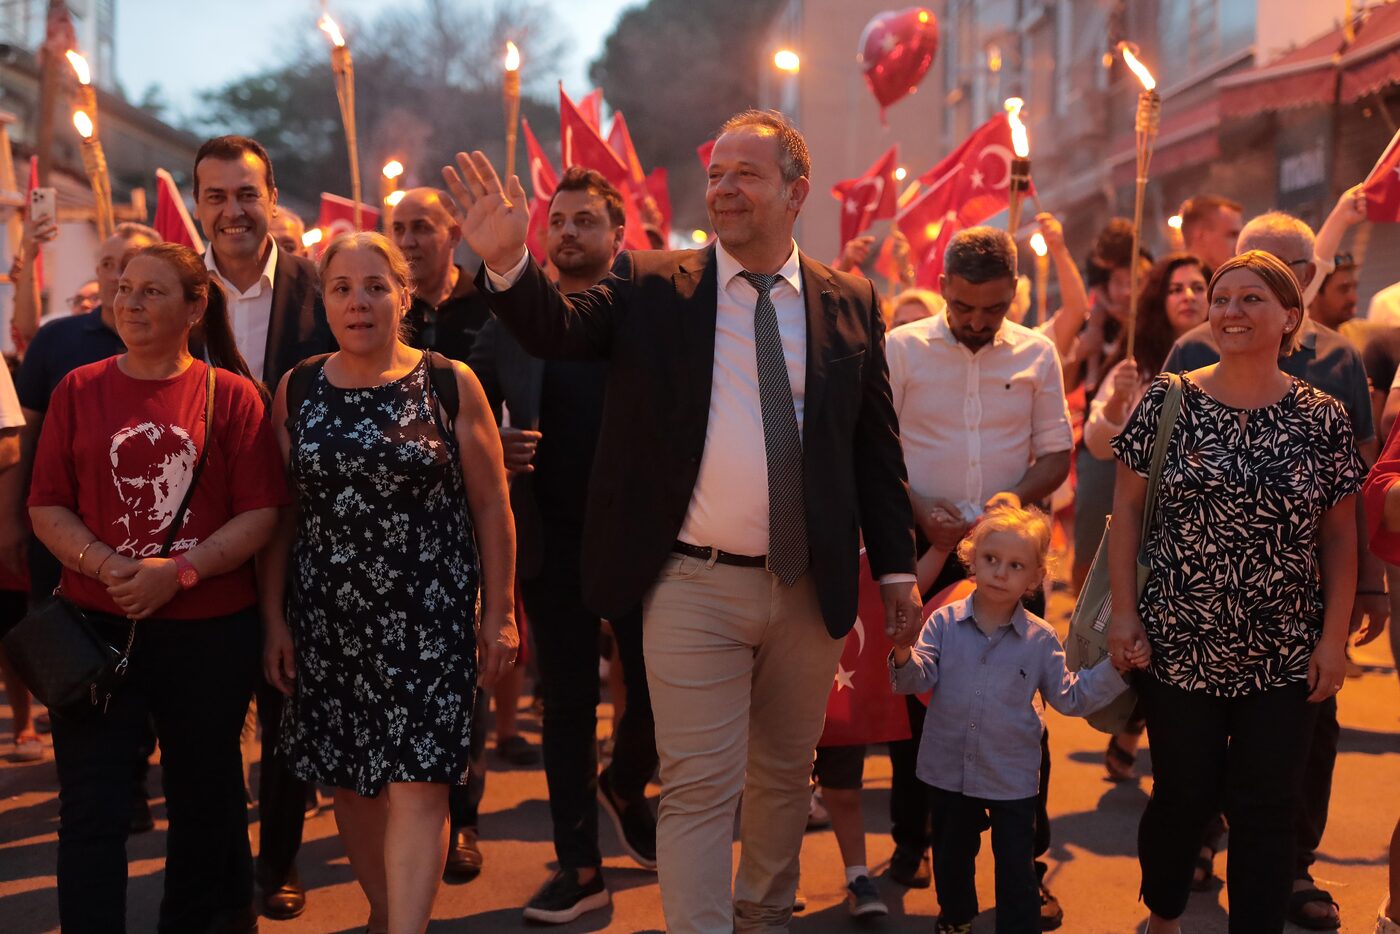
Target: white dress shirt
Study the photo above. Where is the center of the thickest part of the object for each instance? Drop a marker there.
(971, 424)
(249, 312)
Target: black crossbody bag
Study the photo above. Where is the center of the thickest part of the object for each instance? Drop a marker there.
(58, 652)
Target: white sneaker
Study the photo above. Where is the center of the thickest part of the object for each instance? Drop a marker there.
(1383, 923)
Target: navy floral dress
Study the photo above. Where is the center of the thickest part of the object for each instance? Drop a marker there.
(1233, 601)
(383, 594)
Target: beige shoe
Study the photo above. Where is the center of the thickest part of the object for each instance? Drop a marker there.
(1383, 923)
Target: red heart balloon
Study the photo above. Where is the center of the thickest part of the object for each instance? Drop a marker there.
(896, 50)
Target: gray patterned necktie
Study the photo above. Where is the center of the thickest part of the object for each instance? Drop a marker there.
(787, 520)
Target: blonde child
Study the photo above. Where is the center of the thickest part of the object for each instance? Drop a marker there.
(985, 658)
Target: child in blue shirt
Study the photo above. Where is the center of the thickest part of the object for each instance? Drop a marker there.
(985, 659)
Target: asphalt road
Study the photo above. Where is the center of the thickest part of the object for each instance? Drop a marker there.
(1094, 867)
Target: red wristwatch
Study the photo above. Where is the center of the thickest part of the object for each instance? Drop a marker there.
(186, 572)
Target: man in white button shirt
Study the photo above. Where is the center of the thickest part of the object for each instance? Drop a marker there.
(747, 441)
(982, 417)
(275, 310)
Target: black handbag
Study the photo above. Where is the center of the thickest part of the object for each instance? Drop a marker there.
(56, 650)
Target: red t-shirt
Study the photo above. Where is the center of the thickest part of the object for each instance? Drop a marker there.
(120, 452)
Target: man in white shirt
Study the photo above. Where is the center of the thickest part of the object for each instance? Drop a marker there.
(982, 419)
(747, 441)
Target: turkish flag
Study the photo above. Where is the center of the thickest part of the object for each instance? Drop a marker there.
(1382, 186)
(620, 140)
(635, 194)
(703, 151)
(591, 108)
(542, 184)
(338, 217)
(583, 145)
(870, 197)
(172, 220)
(660, 187)
(861, 707)
(970, 185)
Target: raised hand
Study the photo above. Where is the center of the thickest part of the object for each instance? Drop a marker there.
(493, 220)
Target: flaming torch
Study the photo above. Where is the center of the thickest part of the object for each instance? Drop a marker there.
(94, 159)
(343, 68)
(1149, 117)
(1042, 274)
(389, 179)
(511, 89)
(1020, 180)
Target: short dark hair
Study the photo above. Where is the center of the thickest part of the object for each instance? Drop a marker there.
(577, 178)
(1201, 210)
(232, 148)
(981, 254)
(1113, 249)
(793, 158)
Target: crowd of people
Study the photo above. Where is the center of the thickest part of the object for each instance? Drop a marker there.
(367, 493)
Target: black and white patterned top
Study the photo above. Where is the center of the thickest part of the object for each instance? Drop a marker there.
(1233, 602)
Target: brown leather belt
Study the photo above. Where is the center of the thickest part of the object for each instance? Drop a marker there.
(720, 557)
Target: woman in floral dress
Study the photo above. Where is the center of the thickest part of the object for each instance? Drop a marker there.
(375, 634)
(1251, 572)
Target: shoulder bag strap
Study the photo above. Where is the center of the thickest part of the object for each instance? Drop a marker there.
(1166, 424)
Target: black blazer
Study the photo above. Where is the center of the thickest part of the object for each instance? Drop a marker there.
(509, 375)
(653, 318)
(297, 328)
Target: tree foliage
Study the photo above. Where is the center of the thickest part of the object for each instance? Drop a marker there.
(679, 69)
(427, 84)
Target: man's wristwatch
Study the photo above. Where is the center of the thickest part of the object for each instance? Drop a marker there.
(185, 572)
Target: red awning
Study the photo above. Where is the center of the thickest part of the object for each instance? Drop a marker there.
(1307, 75)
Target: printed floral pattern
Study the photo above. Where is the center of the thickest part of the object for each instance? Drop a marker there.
(383, 598)
(1233, 602)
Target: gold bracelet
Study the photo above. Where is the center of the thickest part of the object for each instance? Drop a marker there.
(103, 563)
(83, 554)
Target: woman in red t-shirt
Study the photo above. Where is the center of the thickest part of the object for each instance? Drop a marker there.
(116, 455)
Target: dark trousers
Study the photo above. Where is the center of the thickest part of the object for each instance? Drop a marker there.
(281, 795)
(464, 801)
(1310, 820)
(958, 822)
(909, 807)
(194, 678)
(1247, 751)
(566, 650)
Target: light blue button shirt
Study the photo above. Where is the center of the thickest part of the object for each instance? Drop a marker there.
(982, 733)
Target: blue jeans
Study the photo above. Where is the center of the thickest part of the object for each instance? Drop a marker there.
(958, 822)
(194, 679)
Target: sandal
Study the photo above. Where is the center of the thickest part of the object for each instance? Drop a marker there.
(1118, 762)
(28, 747)
(1296, 902)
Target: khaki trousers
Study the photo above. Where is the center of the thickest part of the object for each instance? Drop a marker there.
(739, 667)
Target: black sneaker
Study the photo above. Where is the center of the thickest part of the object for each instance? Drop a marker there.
(517, 750)
(562, 898)
(863, 899)
(634, 822)
(911, 870)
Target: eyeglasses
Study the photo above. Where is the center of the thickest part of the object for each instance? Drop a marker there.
(1344, 261)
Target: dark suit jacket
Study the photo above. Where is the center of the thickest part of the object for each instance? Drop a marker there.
(509, 375)
(653, 318)
(297, 328)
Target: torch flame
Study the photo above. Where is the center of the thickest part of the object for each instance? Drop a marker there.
(80, 66)
(394, 197)
(328, 26)
(312, 237)
(1038, 243)
(1149, 83)
(84, 124)
(393, 168)
(1020, 140)
(512, 57)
